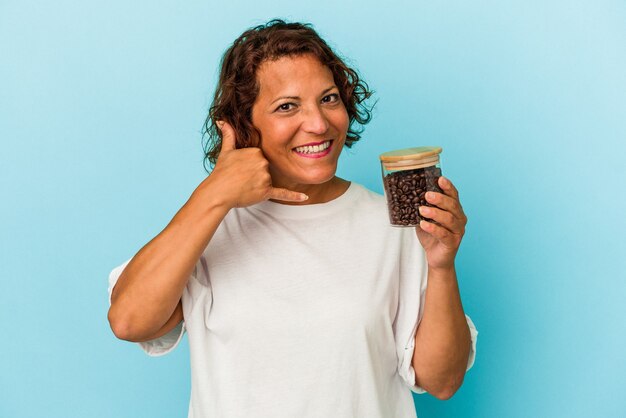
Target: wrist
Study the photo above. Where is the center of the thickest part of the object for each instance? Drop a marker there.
(443, 272)
(212, 195)
(206, 203)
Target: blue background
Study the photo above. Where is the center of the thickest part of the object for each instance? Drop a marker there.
(101, 106)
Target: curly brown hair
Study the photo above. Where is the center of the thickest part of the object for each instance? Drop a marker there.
(237, 88)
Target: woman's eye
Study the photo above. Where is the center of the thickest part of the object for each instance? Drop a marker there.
(284, 107)
(331, 98)
(335, 97)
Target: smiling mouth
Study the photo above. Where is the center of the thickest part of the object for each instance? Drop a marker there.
(320, 149)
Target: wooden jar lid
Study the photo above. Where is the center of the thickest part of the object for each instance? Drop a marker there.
(410, 158)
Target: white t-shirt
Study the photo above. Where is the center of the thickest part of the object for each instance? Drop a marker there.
(304, 311)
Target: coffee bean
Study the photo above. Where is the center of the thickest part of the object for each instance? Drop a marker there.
(406, 191)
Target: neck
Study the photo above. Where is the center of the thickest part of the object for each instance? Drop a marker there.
(318, 193)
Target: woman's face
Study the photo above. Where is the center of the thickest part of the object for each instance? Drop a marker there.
(299, 104)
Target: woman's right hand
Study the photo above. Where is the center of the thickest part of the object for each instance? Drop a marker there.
(241, 176)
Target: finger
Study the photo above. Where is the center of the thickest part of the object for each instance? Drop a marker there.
(447, 187)
(286, 195)
(446, 237)
(229, 141)
(446, 203)
(443, 218)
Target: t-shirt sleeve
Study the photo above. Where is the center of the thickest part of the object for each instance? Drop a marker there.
(413, 271)
(159, 346)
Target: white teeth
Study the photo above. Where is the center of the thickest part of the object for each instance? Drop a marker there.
(313, 149)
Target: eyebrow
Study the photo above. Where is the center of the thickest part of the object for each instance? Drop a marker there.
(298, 98)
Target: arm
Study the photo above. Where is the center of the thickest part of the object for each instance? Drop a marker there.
(146, 300)
(171, 323)
(442, 340)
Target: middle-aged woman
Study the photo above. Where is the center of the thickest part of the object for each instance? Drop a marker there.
(297, 296)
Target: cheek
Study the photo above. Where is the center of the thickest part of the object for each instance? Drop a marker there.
(342, 125)
(341, 120)
(277, 135)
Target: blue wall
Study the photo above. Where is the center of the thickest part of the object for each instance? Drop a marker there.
(101, 107)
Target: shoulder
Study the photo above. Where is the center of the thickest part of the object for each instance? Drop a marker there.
(373, 206)
(368, 195)
(369, 201)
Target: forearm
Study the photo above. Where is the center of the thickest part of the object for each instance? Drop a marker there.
(150, 287)
(442, 341)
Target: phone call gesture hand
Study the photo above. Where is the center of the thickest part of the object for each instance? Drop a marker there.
(242, 175)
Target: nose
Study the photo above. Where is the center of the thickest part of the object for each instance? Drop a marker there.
(315, 121)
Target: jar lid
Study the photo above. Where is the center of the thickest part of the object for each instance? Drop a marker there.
(415, 153)
(410, 158)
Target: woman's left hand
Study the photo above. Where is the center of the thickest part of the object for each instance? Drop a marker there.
(441, 242)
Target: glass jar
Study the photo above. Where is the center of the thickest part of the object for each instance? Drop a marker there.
(407, 175)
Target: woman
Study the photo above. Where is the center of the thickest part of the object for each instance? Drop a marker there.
(298, 297)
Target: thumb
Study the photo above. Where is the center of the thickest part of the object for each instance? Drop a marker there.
(286, 195)
(229, 140)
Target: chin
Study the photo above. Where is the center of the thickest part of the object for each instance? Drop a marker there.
(320, 177)
(302, 175)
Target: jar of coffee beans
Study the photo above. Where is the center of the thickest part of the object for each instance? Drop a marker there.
(407, 175)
